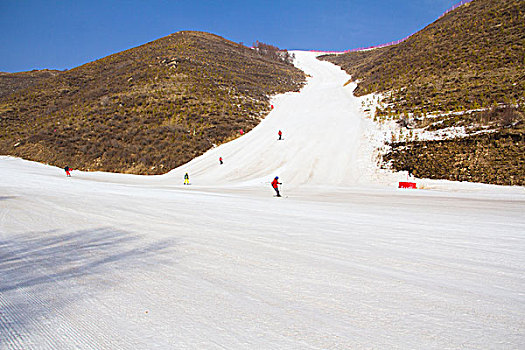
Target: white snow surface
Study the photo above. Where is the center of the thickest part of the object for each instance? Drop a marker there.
(344, 261)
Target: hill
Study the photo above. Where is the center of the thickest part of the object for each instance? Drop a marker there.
(148, 109)
(470, 61)
(13, 82)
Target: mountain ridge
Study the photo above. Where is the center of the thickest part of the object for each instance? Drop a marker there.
(465, 70)
(148, 109)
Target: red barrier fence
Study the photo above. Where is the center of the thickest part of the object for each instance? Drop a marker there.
(407, 185)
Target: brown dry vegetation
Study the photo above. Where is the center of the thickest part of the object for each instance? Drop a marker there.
(148, 109)
(13, 82)
(472, 58)
(495, 158)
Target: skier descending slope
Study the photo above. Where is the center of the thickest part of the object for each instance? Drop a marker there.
(186, 179)
(275, 185)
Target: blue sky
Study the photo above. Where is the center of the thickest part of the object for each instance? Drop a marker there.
(54, 34)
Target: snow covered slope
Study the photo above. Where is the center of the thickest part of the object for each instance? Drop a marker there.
(324, 139)
(112, 261)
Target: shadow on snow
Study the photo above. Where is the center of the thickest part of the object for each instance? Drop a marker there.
(42, 258)
(43, 272)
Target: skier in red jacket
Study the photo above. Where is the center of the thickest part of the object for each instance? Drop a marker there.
(280, 133)
(275, 186)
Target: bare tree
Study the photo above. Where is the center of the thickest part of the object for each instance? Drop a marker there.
(273, 52)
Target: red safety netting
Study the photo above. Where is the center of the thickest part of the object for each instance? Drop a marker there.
(461, 3)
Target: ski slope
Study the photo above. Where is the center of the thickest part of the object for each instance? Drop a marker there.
(326, 141)
(322, 138)
(347, 261)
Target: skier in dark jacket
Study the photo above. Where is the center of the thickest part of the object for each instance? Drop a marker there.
(67, 170)
(275, 185)
(186, 179)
